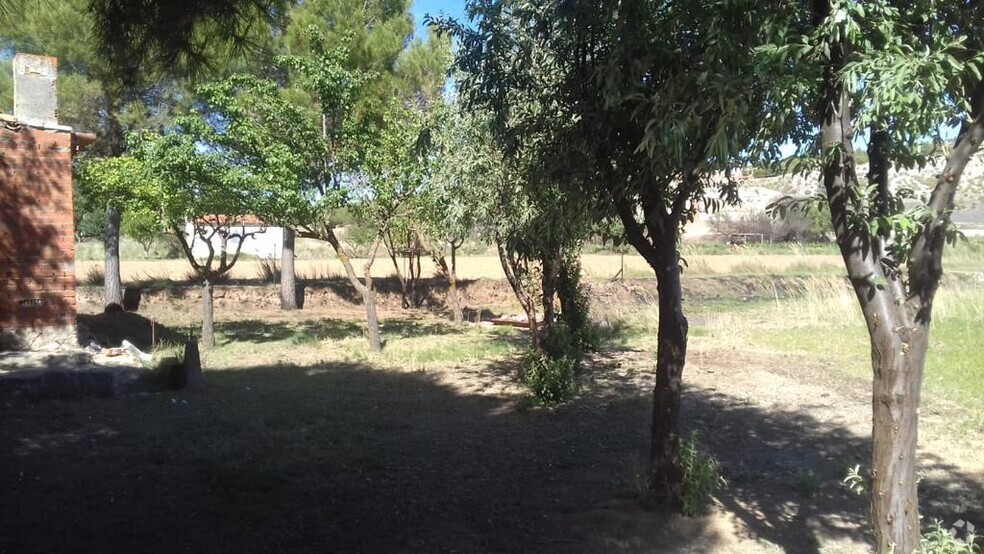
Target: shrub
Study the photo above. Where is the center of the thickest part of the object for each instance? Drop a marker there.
(94, 277)
(701, 478)
(938, 540)
(269, 270)
(551, 380)
(582, 333)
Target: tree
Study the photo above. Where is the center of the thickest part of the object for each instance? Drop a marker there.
(184, 35)
(142, 226)
(394, 170)
(901, 74)
(372, 154)
(221, 162)
(98, 92)
(647, 107)
(455, 203)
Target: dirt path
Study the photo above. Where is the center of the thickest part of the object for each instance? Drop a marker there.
(342, 456)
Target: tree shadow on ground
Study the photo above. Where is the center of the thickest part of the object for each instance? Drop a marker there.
(785, 468)
(111, 329)
(260, 331)
(349, 457)
(313, 330)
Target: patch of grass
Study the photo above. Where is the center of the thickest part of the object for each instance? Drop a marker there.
(701, 478)
(826, 323)
(408, 343)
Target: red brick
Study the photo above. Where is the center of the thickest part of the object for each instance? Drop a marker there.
(36, 234)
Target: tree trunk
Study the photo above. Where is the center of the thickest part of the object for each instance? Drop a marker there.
(451, 275)
(548, 286)
(208, 314)
(288, 280)
(671, 356)
(525, 300)
(368, 295)
(372, 318)
(453, 299)
(372, 321)
(390, 245)
(897, 357)
(111, 269)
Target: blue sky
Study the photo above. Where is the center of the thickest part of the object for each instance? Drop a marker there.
(420, 8)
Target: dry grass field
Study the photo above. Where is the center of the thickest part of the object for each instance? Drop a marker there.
(596, 266)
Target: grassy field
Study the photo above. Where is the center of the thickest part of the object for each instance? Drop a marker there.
(821, 322)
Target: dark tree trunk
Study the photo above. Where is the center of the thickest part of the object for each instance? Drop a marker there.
(548, 286)
(288, 280)
(111, 269)
(657, 244)
(391, 248)
(208, 314)
(671, 356)
(451, 275)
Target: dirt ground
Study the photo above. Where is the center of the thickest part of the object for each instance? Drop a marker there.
(317, 454)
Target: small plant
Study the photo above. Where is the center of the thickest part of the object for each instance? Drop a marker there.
(641, 488)
(855, 482)
(701, 477)
(94, 276)
(269, 270)
(938, 540)
(552, 380)
(304, 337)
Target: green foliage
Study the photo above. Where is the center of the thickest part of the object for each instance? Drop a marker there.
(574, 315)
(701, 478)
(938, 540)
(551, 379)
(6, 87)
(855, 482)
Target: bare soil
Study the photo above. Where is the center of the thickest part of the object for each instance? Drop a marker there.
(314, 454)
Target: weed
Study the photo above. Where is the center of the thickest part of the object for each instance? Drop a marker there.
(94, 277)
(551, 380)
(938, 540)
(854, 481)
(269, 270)
(304, 336)
(701, 477)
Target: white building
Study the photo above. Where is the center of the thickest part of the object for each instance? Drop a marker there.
(260, 240)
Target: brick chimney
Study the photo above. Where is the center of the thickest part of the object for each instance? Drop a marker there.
(35, 90)
(37, 243)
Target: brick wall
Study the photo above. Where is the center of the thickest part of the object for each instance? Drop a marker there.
(37, 244)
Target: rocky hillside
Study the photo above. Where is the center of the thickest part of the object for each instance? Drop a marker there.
(759, 192)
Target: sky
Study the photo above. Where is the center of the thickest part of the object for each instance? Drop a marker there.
(420, 8)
